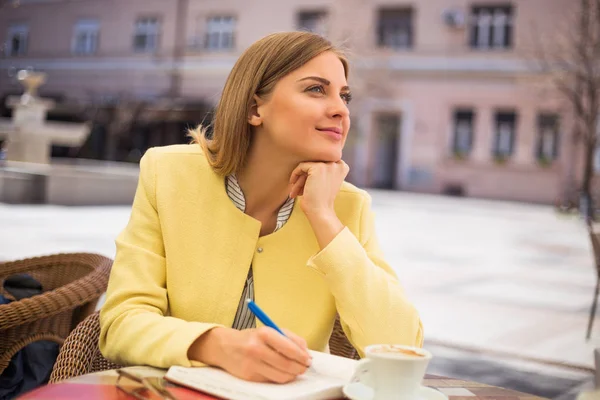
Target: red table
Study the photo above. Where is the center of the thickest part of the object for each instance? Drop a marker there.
(101, 385)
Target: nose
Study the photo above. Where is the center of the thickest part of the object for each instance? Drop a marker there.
(338, 108)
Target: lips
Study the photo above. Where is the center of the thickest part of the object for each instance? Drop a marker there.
(332, 129)
(333, 133)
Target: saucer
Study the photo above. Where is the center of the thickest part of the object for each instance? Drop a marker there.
(358, 391)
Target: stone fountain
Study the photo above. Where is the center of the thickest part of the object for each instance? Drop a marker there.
(29, 175)
(29, 137)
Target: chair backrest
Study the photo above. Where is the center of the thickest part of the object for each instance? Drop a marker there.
(597, 364)
(72, 284)
(339, 344)
(80, 353)
(595, 239)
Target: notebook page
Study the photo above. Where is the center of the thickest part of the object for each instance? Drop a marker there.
(334, 367)
(325, 382)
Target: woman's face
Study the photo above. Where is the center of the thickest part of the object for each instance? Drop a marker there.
(306, 116)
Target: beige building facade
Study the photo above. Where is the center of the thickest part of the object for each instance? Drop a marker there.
(447, 97)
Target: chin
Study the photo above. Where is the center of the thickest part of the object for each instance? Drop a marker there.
(328, 156)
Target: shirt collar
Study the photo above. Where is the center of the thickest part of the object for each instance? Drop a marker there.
(234, 191)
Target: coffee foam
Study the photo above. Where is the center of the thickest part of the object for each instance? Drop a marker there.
(397, 350)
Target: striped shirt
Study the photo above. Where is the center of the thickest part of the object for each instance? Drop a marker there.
(244, 319)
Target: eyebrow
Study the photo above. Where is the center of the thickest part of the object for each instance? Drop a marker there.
(322, 80)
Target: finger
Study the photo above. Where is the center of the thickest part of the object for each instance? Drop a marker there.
(273, 374)
(259, 371)
(303, 168)
(300, 182)
(284, 346)
(281, 362)
(342, 164)
(299, 340)
(298, 186)
(300, 170)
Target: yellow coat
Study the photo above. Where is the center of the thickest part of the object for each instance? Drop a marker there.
(183, 258)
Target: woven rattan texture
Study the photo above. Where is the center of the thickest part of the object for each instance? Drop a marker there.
(72, 284)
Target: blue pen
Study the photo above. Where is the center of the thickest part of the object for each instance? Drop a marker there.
(264, 318)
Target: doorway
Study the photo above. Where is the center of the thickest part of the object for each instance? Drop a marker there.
(386, 151)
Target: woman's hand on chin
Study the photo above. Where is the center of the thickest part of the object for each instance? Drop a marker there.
(318, 183)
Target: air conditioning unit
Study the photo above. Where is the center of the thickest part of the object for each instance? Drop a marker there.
(454, 18)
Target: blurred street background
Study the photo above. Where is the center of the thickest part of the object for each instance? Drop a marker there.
(503, 288)
(475, 127)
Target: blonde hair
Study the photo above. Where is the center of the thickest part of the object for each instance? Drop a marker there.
(256, 72)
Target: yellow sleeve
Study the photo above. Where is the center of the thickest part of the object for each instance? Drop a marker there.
(135, 328)
(371, 302)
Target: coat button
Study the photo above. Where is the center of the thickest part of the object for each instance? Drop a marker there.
(260, 249)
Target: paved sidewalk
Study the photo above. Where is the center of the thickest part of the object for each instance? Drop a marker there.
(508, 278)
(508, 284)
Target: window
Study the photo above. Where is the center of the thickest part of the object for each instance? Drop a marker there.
(547, 143)
(145, 38)
(315, 21)
(220, 33)
(85, 36)
(491, 27)
(16, 41)
(505, 134)
(395, 28)
(463, 132)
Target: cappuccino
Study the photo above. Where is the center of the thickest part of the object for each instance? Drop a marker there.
(391, 349)
(393, 371)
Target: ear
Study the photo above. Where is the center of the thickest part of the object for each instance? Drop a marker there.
(254, 117)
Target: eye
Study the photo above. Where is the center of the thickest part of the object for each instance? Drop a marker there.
(347, 97)
(316, 89)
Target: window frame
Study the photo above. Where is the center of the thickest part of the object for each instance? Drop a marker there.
(461, 115)
(500, 117)
(319, 18)
(495, 14)
(20, 30)
(142, 27)
(91, 29)
(220, 21)
(387, 28)
(545, 120)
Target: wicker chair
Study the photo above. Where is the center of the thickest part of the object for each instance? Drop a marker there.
(72, 284)
(597, 372)
(595, 239)
(80, 354)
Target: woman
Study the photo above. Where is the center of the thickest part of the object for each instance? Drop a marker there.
(260, 210)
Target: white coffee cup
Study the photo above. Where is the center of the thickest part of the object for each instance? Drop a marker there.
(393, 372)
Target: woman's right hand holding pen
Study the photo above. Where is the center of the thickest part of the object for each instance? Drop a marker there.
(260, 355)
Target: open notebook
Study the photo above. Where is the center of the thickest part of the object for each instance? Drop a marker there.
(330, 374)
